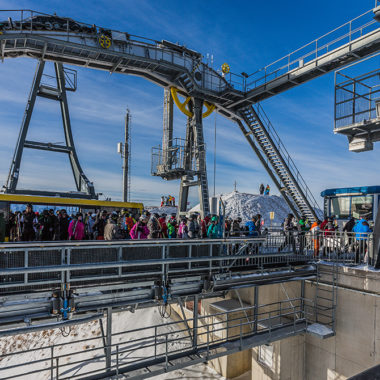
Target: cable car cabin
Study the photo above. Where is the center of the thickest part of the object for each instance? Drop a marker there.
(347, 202)
(13, 202)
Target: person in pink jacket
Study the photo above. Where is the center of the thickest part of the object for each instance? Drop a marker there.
(140, 230)
(76, 228)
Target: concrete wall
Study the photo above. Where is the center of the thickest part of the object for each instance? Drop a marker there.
(354, 348)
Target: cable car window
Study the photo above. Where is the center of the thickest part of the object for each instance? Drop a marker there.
(362, 206)
(340, 207)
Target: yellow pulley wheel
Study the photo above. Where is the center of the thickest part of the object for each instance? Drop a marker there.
(183, 106)
(225, 68)
(104, 41)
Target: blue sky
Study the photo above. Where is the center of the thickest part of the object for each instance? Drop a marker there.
(247, 35)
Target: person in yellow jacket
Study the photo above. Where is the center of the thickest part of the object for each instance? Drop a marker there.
(315, 228)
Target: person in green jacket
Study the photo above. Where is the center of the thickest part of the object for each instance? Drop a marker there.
(172, 228)
(2, 227)
(213, 230)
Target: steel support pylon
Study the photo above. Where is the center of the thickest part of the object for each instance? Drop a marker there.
(195, 150)
(58, 93)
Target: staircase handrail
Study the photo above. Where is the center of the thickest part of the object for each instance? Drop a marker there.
(289, 161)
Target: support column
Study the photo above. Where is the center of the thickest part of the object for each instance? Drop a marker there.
(255, 310)
(185, 180)
(81, 181)
(195, 322)
(200, 156)
(14, 171)
(109, 339)
(167, 136)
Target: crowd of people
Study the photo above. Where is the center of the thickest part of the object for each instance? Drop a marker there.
(167, 201)
(59, 225)
(324, 232)
(102, 225)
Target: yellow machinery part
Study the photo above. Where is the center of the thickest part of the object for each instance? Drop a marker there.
(210, 108)
(183, 106)
(225, 68)
(104, 41)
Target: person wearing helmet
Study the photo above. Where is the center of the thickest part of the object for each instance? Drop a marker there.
(213, 231)
(76, 228)
(111, 229)
(140, 230)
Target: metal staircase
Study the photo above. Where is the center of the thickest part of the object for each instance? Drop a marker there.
(278, 162)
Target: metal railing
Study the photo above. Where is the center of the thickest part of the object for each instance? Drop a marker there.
(356, 98)
(338, 37)
(288, 160)
(159, 345)
(48, 265)
(348, 248)
(66, 29)
(173, 160)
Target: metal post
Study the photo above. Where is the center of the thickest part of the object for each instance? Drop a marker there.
(126, 158)
(167, 136)
(255, 310)
(109, 339)
(195, 322)
(52, 362)
(303, 298)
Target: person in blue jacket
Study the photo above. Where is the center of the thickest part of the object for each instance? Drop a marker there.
(251, 227)
(361, 230)
(213, 229)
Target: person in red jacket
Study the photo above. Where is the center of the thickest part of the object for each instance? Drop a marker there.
(164, 227)
(203, 226)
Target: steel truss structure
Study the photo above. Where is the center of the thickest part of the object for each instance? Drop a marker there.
(66, 80)
(172, 66)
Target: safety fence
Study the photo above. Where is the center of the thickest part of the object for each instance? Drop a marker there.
(156, 347)
(49, 265)
(342, 247)
(356, 99)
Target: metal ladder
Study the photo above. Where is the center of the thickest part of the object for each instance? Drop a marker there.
(278, 162)
(326, 297)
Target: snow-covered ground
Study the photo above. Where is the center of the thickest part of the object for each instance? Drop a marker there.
(90, 350)
(246, 205)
